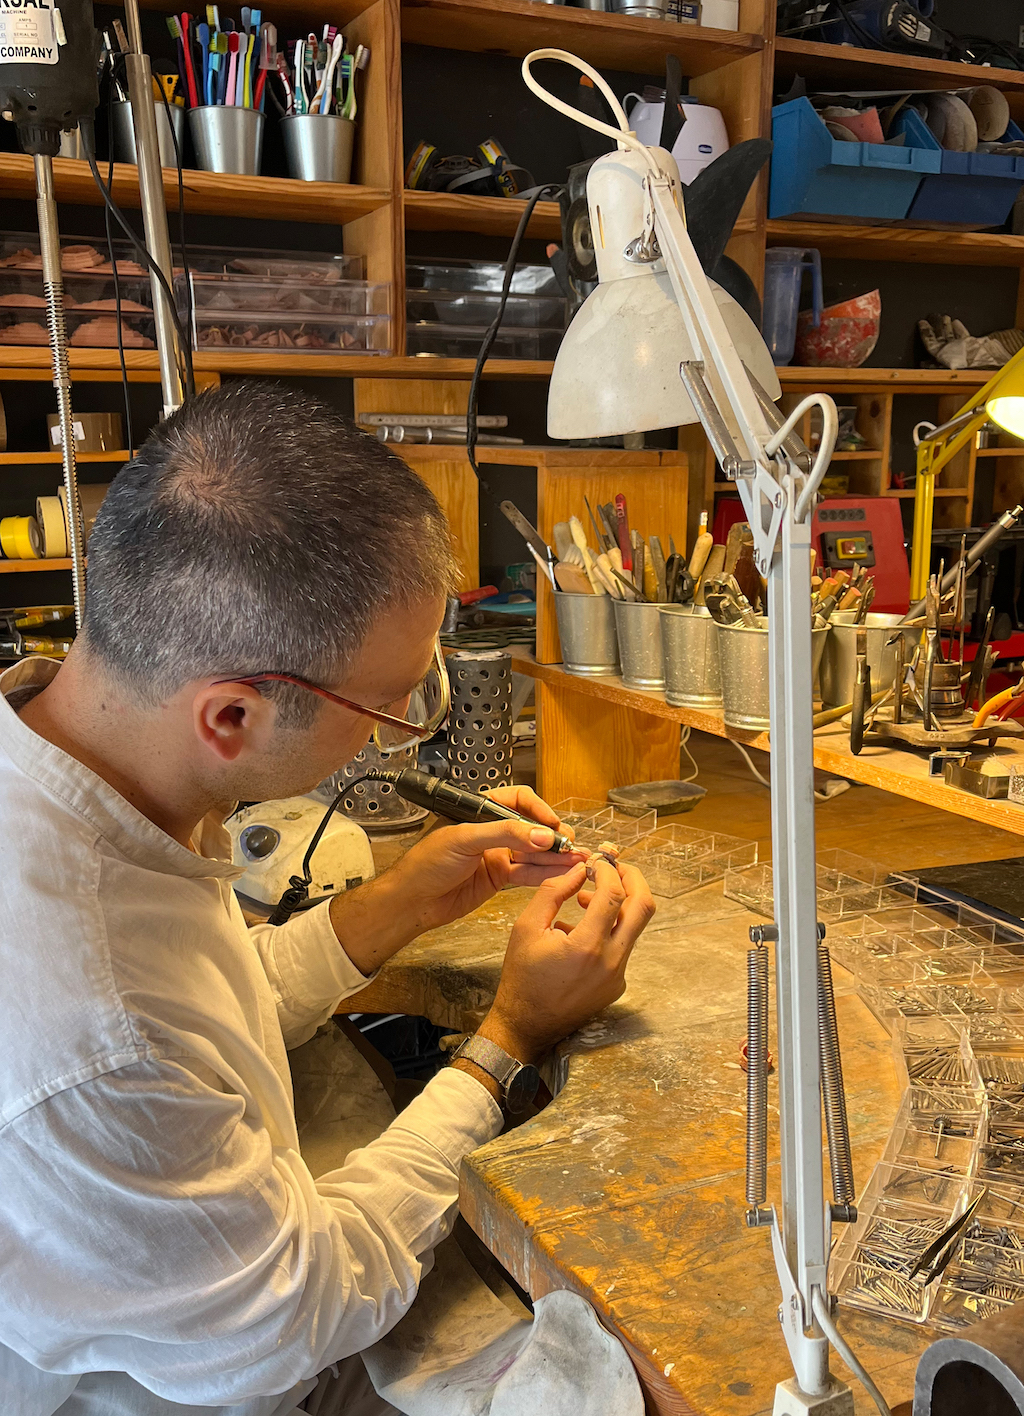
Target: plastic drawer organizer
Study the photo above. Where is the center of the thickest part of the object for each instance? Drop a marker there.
(947, 981)
(450, 305)
(89, 294)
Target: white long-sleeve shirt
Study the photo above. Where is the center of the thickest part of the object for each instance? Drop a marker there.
(156, 1219)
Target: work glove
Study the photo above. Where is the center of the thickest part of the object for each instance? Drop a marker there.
(951, 344)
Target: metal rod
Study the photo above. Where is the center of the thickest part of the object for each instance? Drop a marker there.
(53, 289)
(981, 545)
(154, 210)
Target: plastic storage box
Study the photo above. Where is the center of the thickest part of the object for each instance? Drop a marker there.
(815, 174)
(89, 296)
(451, 304)
(971, 188)
(286, 312)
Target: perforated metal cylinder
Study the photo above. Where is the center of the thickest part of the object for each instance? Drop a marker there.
(375, 806)
(480, 724)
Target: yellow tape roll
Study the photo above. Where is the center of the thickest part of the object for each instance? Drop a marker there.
(20, 538)
(50, 516)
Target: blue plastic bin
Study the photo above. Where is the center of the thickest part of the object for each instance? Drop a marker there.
(814, 173)
(976, 188)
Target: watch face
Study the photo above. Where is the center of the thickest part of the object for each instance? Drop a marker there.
(522, 1089)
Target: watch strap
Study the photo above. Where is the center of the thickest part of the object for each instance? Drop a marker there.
(490, 1058)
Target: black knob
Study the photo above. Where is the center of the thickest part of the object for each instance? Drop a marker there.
(260, 841)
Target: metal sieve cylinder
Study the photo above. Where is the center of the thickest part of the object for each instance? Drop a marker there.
(480, 724)
(375, 806)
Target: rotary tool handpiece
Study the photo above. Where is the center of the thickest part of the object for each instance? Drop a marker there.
(453, 803)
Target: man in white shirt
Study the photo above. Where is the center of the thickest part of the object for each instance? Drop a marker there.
(162, 1245)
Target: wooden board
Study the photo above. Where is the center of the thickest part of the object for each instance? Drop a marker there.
(628, 1188)
(848, 241)
(492, 216)
(893, 770)
(615, 41)
(209, 193)
(833, 66)
(586, 745)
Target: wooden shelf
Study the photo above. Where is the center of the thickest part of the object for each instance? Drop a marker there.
(880, 380)
(617, 41)
(210, 193)
(899, 243)
(999, 452)
(16, 567)
(491, 216)
(833, 65)
(18, 458)
(242, 361)
(939, 492)
(892, 770)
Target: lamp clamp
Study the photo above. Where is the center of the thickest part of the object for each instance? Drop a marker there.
(643, 250)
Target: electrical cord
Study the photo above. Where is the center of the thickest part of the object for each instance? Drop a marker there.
(492, 332)
(684, 740)
(297, 892)
(828, 1327)
(835, 786)
(151, 265)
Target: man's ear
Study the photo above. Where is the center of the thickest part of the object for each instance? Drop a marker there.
(232, 719)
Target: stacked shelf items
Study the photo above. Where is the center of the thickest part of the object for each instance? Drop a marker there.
(90, 297)
(451, 303)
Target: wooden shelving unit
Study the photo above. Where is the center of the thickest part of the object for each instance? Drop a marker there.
(18, 459)
(19, 567)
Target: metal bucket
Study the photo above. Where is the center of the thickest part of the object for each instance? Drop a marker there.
(839, 661)
(640, 652)
(227, 139)
(318, 146)
(586, 630)
(693, 677)
(743, 653)
(123, 133)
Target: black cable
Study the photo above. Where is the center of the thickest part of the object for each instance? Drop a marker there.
(492, 332)
(125, 387)
(297, 892)
(142, 250)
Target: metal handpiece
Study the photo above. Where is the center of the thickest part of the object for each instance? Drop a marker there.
(757, 1077)
(836, 1125)
(452, 802)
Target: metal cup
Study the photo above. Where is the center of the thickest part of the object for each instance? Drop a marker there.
(586, 629)
(839, 661)
(227, 139)
(743, 654)
(693, 677)
(318, 146)
(591, 4)
(123, 133)
(642, 9)
(640, 652)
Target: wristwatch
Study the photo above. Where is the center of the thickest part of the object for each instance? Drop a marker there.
(518, 1081)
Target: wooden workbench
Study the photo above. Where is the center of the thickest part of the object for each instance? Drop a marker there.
(629, 1186)
(594, 733)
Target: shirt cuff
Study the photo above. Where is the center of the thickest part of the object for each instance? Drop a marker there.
(310, 934)
(455, 1113)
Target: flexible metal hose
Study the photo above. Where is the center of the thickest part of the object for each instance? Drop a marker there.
(757, 1076)
(53, 289)
(836, 1124)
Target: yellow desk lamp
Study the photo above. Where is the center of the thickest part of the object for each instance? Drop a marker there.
(1002, 401)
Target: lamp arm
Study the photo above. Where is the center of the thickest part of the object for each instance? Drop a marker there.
(622, 135)
(829, 433)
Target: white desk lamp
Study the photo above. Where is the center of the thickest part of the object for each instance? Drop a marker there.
(655, 345)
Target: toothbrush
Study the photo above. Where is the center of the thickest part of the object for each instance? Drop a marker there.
(229, 93)
(300, 92)
(222, 67)
(285, 80)
(247, 88)
(322, 98)
(215, 63)
(203, 35)
(243, 50)
(190, 74)
(268, 60)
(213, 17)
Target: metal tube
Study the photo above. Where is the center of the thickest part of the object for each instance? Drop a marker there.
(53, 289)
(154, 210)
(981, 545)
(837, 1126)
(757, 1076)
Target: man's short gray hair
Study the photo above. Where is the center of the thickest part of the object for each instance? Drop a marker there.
(257, 531)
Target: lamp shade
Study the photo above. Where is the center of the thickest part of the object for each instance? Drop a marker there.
(1005, 404)
(617, 370)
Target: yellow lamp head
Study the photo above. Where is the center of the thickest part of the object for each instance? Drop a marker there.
(1005, 404)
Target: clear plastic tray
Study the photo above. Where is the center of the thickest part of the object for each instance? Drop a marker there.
(80, 255)
(473, 309)
(687, 843)
(215, 292)
(577, 811)
(464, 341)
(299, 334)
(86, 329)
(443, 273)
(955, 1307)
(307, 267)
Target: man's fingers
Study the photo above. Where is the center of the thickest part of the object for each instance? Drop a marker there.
(534, 873)
(605, 903)
(522, 837)
(636, 913)
(528, 802)
(550, 897)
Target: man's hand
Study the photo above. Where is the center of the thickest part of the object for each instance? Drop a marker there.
(555, 977)
(451, 872)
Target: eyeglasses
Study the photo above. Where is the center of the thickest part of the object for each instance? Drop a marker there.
(429, 703)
